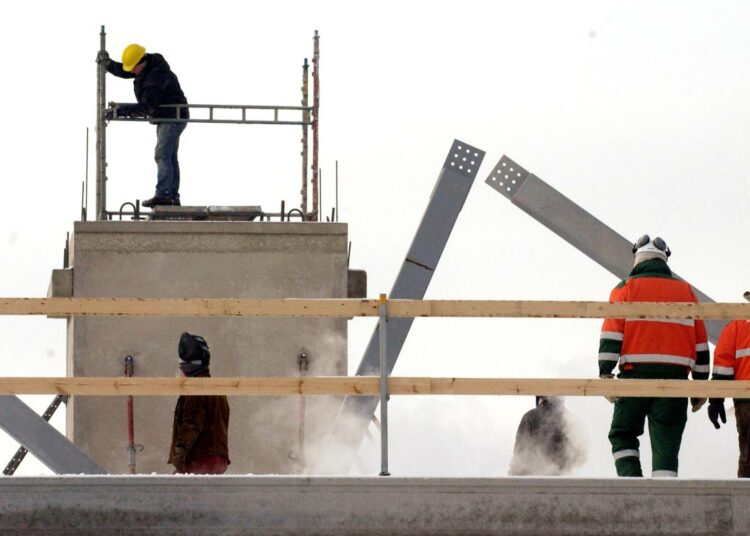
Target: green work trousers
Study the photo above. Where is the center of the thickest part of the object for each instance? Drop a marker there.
(666, 422)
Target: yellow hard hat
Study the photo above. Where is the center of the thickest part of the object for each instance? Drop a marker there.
(131, 56)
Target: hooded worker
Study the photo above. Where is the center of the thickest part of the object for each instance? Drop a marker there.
(155, 85)
(651, 349)
(199, 435)
(544, 444)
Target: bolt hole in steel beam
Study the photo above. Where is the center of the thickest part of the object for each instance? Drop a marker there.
(573, 224)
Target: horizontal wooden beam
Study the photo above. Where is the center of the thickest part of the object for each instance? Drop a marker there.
(354, 308)
(368, 385)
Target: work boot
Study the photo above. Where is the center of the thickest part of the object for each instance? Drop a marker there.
(176, 202)
(157, 200)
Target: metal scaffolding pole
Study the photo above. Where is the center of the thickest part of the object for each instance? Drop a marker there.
(101, 132)
(306, 120)
(445, 204)
(573, 224)
(315, 124)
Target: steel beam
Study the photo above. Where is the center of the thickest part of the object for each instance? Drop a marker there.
(453, 184)
(41, 439)
(573, 224)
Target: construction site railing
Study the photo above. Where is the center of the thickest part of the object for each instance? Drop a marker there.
(382, 385)
(370, 386)
(347, 308)
(241, 120)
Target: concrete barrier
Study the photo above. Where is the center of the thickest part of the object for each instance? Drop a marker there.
(379, 506)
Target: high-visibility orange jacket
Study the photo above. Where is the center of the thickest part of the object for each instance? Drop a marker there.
(732, 354)
(654, 348)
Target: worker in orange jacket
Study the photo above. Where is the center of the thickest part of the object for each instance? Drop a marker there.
(732, 362)
(651, 349)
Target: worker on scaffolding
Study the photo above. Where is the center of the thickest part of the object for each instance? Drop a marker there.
(199, 435)
(732, 362)
(155, 85)
(651, 349)
(545, 445)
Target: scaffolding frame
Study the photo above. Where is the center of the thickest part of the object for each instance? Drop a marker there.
(309, 119)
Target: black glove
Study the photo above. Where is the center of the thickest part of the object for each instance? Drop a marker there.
(130, 110)
(610, 399)
(716, 410)
(102, 57)
(697, 403)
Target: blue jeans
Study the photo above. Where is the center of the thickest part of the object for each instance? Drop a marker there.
(167, 166)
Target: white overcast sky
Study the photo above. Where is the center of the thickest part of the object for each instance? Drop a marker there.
(636, 111)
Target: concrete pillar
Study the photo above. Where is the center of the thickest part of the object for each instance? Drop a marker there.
(186, 259)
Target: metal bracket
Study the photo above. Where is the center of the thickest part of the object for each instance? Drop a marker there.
(573, 224)
(51, 447)
(448, 197)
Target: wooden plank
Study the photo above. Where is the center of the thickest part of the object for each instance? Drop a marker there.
(354, 308)
(566, 309)
(368, 385)
(188, 307)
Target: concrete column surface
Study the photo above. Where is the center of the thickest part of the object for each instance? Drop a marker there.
(372, 505)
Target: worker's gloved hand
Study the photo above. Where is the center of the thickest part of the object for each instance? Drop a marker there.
(179, 459)
(611, 399)
(102, 57)
(697, 403)
(129, 110)
(716, 410)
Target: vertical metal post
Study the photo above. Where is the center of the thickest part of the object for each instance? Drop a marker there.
(131, 423)
(383, 387)
(315, 122)
(337, 190)
(303, 362)
(305, 119)
(101, 135)
(85, 211)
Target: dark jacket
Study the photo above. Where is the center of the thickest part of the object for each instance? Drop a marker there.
(156, 85)
(543, 444)
(200, 428)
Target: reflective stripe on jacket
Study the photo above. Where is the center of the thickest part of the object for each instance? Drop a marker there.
(732, 354)
(654, 344)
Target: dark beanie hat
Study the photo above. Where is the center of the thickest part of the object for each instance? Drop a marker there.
(194, 354)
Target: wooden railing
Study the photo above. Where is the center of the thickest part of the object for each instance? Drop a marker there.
(369, 386)
(365, 308)
(362, 385)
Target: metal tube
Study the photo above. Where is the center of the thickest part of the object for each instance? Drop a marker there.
(305, 120)
(85, 211)
(315, 122)
(131, 423)
(302, 360)
(101, 134)
(337, 190)
(383, 387)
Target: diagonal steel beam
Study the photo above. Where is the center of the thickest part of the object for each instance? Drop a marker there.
(453, 184)
(51, 447)
(573, 224)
